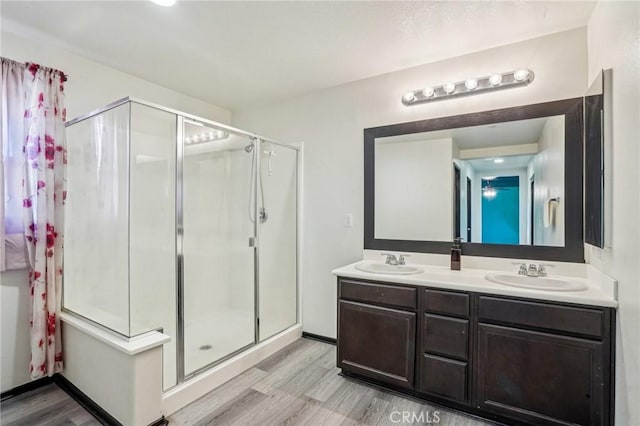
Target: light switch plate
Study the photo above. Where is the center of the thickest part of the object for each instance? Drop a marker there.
(348, 220)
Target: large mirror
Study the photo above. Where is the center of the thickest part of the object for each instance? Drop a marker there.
(503, 181)
(597, 155)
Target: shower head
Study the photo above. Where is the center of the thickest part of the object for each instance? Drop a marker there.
(249, 147)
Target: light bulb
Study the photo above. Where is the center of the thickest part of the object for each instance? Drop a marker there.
(428, 92)
(471, 83)
(409, 97)
(449, 88)
(495, 79)
(499, 160)
(521, 74)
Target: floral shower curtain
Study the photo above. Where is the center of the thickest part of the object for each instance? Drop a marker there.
(43, 198)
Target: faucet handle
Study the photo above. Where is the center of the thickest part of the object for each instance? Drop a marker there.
(391, 258)
(523, 268)
(542, 269)
(401, 259)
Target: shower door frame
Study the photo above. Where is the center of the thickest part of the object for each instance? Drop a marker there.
(257, 140)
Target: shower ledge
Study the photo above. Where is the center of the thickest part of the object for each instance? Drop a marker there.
(129, 346)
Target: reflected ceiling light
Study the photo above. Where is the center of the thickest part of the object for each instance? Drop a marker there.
(165, 3)
(499, 160)
(210, 136)
(496, 81)
(489, 192)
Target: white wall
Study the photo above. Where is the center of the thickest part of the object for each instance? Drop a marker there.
(548, 169)
(413, 197)
(14, 329)
(331, 124)
(90, 86)
(614, 42)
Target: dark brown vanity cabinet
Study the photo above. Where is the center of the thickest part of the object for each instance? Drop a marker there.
(376, 331)
(514, 360)
(544, 363)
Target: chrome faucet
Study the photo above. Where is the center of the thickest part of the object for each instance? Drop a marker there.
(533, 270)
(391, 259)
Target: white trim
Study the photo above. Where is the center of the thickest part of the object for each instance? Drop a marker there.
(130, 346)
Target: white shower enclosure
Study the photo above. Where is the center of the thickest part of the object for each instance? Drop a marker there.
(178, 223)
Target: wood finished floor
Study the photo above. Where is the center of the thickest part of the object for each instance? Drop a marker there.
(45, 406)
(300, 385)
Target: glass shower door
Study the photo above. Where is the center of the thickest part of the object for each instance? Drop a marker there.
(218, 261)
(278, 233)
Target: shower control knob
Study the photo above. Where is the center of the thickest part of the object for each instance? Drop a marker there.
(263, 215)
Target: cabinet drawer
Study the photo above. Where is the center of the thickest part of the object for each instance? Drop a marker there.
(561, 319)
(388, 295)
(445, 336)
(446, 302)
(444, 377)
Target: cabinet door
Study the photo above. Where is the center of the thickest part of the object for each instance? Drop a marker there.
(540, 378)
(377, 342)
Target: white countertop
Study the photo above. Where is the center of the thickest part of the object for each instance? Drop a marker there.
(600, 288)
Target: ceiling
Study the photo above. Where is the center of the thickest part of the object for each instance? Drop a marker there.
(238, 54)
(511, 163)
(508, 133)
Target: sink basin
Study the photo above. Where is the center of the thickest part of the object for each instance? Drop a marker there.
(383, 268)
(536, 283)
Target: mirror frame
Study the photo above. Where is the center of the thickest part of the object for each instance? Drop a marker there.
(573, 250)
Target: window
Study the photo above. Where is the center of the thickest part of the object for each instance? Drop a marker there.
(13, 249)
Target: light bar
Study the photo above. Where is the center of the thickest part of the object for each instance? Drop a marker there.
(471, 86)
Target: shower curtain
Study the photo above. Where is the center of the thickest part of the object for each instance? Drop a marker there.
(44, 194)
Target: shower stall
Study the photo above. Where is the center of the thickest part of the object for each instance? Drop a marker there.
(180, 224)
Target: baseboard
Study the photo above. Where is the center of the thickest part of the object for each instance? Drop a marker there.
(318, 337)
(18, 390)
(87, 403)
(160, 422)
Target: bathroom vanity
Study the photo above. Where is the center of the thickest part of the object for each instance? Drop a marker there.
(508, 354)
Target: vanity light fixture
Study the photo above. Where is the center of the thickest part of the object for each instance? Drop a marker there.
(497, 81)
